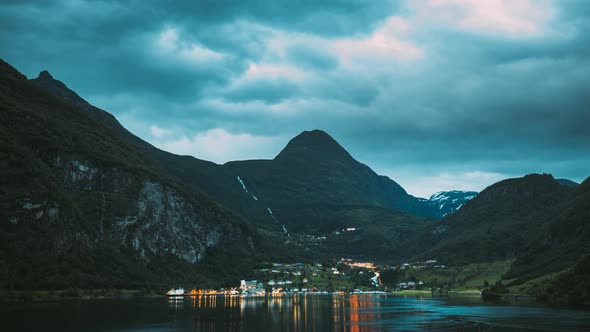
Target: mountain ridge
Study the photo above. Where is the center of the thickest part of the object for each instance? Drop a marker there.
(220, 181)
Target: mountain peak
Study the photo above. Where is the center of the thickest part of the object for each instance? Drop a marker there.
(531, 185)
(318, 133)
(45, 75)
(315, 144)
(46, 81)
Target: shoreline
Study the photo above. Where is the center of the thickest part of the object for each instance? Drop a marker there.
(11, 296)
(32, 296)
(47, 296)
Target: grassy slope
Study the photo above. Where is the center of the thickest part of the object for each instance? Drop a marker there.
(464, 277)
(570, 286)
(381, 234)
(534, 223)
(563, 239)
(501, 221)
(533, 219)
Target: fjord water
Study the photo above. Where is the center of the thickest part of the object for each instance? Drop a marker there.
(289, 313)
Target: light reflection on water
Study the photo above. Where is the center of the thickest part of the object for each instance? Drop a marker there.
(364, 313)
(338, 313)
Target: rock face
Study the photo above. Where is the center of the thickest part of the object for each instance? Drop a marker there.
(128, 210)
(154, 218)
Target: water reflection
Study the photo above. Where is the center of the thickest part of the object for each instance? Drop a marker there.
(340, 313)
(295, 312)
(362, 310)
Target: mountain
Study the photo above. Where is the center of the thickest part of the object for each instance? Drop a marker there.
(313, 176)
(111, 210)
(567, 182)
(534, 220)
(81, 205)
(448, 202)
(563, 238)
(197, 175)
(379, 234)
(313, 185)
(301, 189)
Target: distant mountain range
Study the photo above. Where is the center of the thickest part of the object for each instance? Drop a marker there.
(85, 203)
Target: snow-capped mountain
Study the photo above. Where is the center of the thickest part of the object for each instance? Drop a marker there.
(451, 201)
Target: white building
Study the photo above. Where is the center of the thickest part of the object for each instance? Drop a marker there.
(246, 285)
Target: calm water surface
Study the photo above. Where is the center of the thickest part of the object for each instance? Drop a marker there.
(289, 313)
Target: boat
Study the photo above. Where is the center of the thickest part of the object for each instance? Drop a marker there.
(175, 292)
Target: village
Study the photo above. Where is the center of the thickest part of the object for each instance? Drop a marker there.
(340, 276)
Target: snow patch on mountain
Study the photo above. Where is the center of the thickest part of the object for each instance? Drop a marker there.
(450, 201)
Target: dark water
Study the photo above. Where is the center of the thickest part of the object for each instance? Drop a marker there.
(289, 313)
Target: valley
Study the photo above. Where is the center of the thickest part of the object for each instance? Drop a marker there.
(85, 204)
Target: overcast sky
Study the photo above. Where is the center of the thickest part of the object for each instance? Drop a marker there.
(436, 94)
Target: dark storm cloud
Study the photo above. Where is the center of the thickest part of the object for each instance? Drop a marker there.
(439, 95)
(94, 35)
(311, 57)
(335, 17)
(270, 91)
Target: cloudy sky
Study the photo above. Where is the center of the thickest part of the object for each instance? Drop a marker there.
(436, 94)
